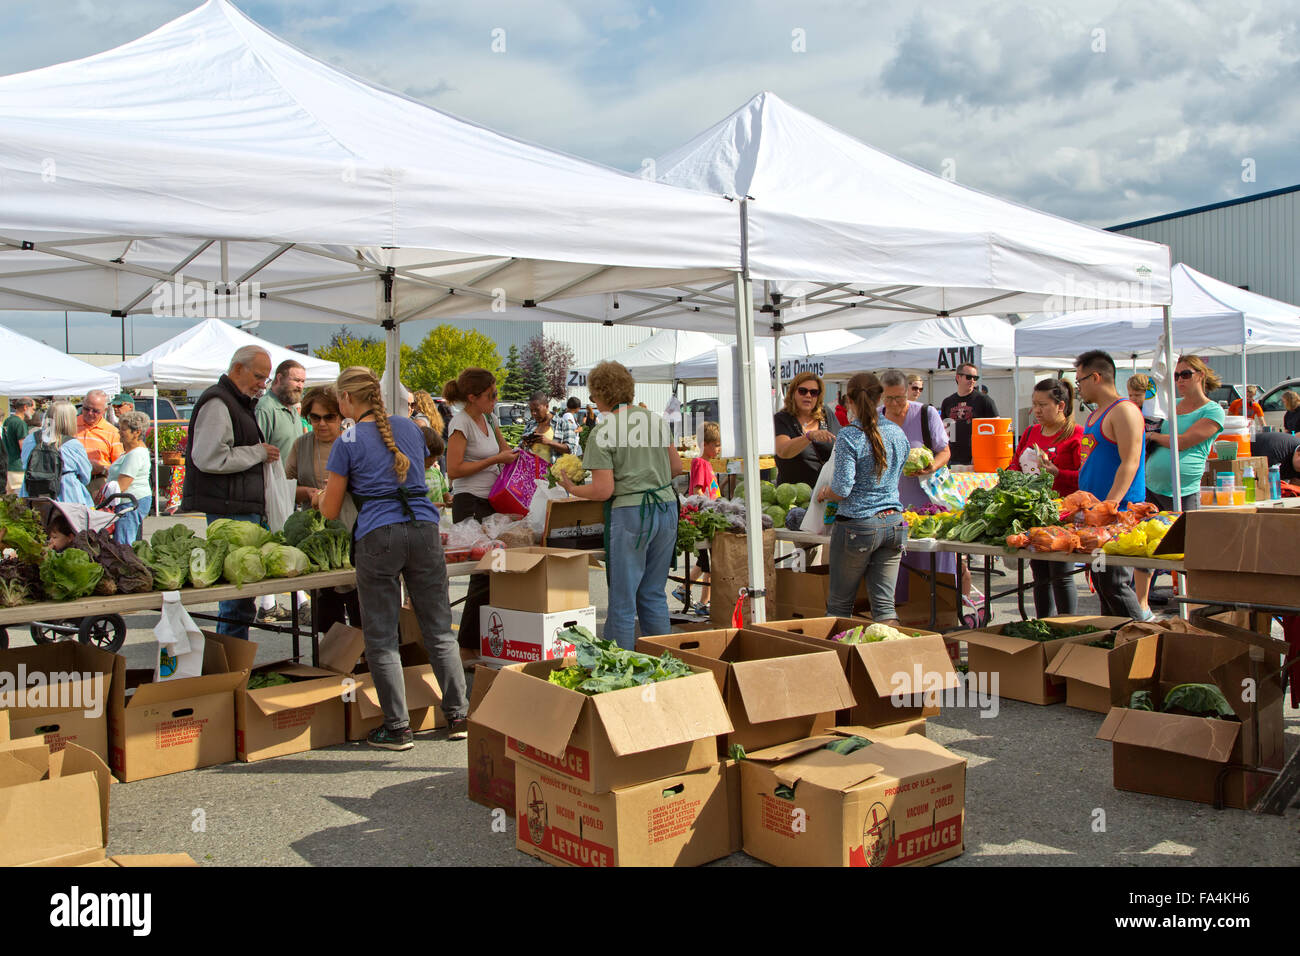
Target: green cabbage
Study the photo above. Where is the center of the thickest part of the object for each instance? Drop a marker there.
(207, 561)
(802, 494)
(1201, 700)
(283, 561)
(165, 537)
(244, 565)
(238, 534)
(69, 574)
(786, 495)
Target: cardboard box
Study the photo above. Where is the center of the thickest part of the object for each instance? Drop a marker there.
(1021, 665)
(1216, 466)
(530, 635)
(1175, 755)
(680, 820)
(304, 715)
(607, 741)
(575, 523)
(1085, 672)
(877, 672)
(76, 681)
(53, 804)
(1243, 555)
(898, 802)
(915, 611)
(776, 689)
(537, 579)
(735, 831)
(423, 696)
(811, 588)
(175, 725)
(491, 772)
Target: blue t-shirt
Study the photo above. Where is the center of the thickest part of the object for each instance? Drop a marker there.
(854, 478)
(361, 456)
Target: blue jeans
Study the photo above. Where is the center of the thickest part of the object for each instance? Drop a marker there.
(242, 609)
(638, 575)
(871, 548)
(128, 526)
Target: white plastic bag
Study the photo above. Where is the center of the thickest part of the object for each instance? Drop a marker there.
(493, 525)
(463, 534)
(280, 492)
(814, 520)
(536, 517)
(180, 642)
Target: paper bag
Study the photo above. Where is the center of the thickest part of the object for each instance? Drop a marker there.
(814, 520)
(280, 492)
(729, 572)
(180, 642)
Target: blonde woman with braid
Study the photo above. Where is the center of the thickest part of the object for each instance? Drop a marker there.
(397, 539)
(870, 530)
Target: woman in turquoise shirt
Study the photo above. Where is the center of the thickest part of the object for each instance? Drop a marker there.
(1199, 422)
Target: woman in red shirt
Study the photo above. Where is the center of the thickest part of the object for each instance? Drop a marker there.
(1053, 445)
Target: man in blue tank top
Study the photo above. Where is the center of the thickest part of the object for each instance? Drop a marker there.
(1113, 469)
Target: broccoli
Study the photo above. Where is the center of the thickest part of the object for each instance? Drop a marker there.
(300, 524)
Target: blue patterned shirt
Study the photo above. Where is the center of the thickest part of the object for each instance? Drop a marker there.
(854, 478)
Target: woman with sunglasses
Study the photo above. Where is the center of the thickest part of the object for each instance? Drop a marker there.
(306, 463)
(805, 434)
(1200, 419)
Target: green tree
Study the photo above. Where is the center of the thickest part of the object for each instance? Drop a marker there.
(513, 388)
(348, 350)
(447, 351)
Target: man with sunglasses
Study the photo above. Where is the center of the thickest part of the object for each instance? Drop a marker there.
(959, 410)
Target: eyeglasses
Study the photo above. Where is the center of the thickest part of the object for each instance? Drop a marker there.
(895, 398)
(814, 392)
(915, 388)
(312, 416)
(973, 378)
(1184, 374)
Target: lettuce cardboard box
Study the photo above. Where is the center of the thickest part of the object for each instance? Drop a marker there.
(897, 801)
(776, 689)
(537, 579)
(1177, 753)
(491, 772)
(607, 741)
(530, 635)
(423, 696)
(1243, 555)
(1021, 663)
(678, 820)
(54, 809)
(60, 693)
(892, 681)
(290, 708)
(174, 725)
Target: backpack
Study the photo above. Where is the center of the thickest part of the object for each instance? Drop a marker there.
(44, 472)
(925, 426)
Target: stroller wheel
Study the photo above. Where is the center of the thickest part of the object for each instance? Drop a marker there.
(4, 638)
(107, 632)
(44, 633)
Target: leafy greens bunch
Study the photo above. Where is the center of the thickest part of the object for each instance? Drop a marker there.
(604, 666)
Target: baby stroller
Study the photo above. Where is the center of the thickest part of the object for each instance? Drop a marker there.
(105, 631)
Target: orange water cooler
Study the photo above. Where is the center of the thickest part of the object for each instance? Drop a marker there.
(992, 444)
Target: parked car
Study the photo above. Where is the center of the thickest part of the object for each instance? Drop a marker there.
(512, 413)
(1274, 410)
(1229, 392)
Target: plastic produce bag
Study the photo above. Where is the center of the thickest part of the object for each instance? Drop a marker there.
(536, 517)
(814, 521)
(493, 525)
(280, 492)
(463, 534)
(180, 642)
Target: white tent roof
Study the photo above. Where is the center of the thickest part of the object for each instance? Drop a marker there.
(255, 162)
(33, 368)
(201, 355)
(818, 352)
(658, 357)
(1209, 317)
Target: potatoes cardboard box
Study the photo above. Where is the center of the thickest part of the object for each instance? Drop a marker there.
(60, 693)
(606, 741)
(537, 579)
(53, 804)
(888, 679)
(896, 802)
(305, 714)
(491, 772)
(1176, 755)
(679, 820)
(516, 636)
(776, 689)
(363, 712)
(1243, 555)
(1021, 664)
(175, 725)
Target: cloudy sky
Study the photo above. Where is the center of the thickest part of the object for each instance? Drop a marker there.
(1100, 111)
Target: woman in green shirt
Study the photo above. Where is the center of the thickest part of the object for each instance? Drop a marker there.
(1199, 422)
(633, 461)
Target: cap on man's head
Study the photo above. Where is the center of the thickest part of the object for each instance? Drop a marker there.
(122, 398)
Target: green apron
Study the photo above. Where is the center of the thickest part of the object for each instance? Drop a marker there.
(647, 506)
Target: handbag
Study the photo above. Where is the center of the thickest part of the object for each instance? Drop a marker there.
(513, 490)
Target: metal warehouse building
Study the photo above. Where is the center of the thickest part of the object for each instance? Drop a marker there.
(1250, 242)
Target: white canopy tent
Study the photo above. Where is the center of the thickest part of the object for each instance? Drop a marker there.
(201, 355)
(33, 368)
(658, 358)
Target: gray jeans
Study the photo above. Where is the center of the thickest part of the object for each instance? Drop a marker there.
(413, 551)
(870, 548)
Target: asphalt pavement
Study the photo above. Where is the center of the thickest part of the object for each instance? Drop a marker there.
(1038, 792)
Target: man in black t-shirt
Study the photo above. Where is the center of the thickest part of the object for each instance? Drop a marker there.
(959, 410)
(1280, 449)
